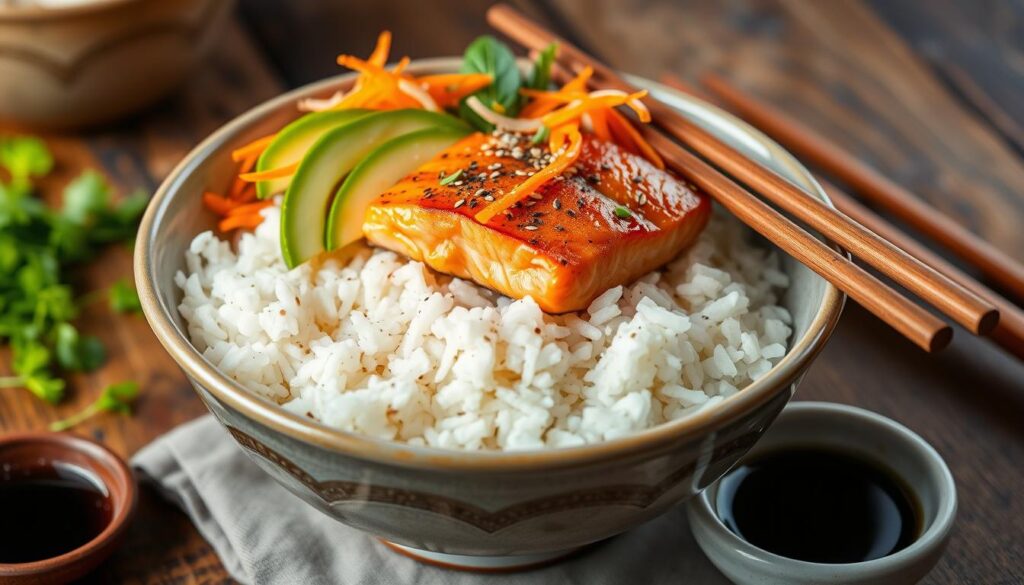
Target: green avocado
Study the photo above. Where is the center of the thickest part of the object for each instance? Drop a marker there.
(379, 170)
(292, 142)
(332, 156)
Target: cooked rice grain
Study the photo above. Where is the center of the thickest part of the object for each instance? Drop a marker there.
(385, 347)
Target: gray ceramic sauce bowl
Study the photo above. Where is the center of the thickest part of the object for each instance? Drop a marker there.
(861, 433)
(494, 509)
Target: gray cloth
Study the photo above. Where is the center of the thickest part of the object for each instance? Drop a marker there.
(265, 535)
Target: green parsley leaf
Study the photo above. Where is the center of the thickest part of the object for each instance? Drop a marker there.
(77, 352)
(623, 213)
(25, 157)
(114, 398)
(85, 198)
(124, 298)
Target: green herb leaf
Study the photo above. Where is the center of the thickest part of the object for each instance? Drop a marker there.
(622, 213)
(124, 298)
(540, 135)
(75, 352)
(540, 77)
(86, 197)
(489, 55)
(46, 387)
(114, 398)
(451, 178)
(25, 157)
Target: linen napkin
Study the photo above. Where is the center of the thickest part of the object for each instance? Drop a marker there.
(266, 536)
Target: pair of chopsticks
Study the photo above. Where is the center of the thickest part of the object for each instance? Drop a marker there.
(1009, 331)
(954, 300)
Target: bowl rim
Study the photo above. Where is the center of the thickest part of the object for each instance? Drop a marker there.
(269, 414)
(702, 512)
(35, 12)
(99, 455)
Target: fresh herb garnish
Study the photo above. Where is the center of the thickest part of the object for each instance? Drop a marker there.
(451, 178)
(622, 213)
(114, 398)
(489, 55)
(124, 298)
(540, 77)
(540, 135)
(38, 247)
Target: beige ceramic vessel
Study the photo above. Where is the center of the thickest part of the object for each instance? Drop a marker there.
(97, 61)
(483, 510)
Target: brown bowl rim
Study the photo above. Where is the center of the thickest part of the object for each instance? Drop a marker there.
(269, 414)
(38, 13)
(125, 507)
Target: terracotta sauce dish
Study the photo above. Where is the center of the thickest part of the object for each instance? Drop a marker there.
(65, 502)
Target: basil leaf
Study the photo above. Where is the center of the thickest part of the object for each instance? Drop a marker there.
(489, 55)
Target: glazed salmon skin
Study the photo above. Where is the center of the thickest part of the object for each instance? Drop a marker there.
(611, 219)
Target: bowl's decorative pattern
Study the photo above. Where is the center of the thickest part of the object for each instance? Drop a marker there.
(473, 503)
(635, 495)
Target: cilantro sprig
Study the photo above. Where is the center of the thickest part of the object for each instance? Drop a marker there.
(39, 248)
(114, 398)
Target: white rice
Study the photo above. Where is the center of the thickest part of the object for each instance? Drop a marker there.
(388, 348)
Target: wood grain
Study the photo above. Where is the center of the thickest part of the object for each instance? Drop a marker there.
(836, 65)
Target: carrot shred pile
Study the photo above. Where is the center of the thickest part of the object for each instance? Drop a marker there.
(239, 207)
(378, 88)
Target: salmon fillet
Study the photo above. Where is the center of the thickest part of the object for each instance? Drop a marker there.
(611, 219)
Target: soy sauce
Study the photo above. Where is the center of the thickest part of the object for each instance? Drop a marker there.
(47, 511)
(818, 506)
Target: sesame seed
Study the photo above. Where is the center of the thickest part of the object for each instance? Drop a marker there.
(459, 203)
(536, 196)
(488, 198)
(520, 173)
(479, 192)
(557, 204)
(494, 166)
(495, 174)
(641, 199)
(532, 228)
(457, 183)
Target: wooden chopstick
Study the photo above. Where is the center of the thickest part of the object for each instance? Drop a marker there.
(1008, 333)
(911, 321)
(872, 185)
(953, 300)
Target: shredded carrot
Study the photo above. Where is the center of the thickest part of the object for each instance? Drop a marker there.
(624, 131)
(278, 173)
(217, 203)
(567, 136)
(449, 89)
(578, 108)
(254, 148)
(379, 57)
(599, 122)
(234, 222)
(250, 208)
(238, 186)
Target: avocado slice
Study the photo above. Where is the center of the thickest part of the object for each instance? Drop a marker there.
(379, 170)
(292, 142)
(338, 151)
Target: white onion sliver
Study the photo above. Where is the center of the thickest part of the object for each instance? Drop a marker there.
(419, 94)
(513, 124)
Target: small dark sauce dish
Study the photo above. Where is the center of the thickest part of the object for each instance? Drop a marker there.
(65, 502)
(830, 494)
(819, 505)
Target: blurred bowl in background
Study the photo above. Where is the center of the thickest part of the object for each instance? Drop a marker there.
(91, 62)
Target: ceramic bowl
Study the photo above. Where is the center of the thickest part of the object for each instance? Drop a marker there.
(871, 437)
(476, 509)
(109, 471)
(96, 61)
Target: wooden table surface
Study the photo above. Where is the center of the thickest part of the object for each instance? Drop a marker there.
(929, 91)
